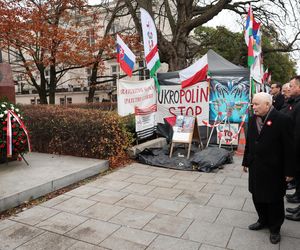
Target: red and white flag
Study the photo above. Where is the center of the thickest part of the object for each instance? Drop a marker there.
(195, 73)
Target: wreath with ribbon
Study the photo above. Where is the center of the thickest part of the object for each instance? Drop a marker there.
(14, 137)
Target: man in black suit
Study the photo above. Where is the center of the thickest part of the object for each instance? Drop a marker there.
(269, 160)
(278, 98)
(294, 110)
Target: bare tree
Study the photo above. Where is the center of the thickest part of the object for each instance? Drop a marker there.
(177, 19)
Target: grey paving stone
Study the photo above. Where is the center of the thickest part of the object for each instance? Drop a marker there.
(48, 241)
(236, 181)
(109, 184)
(218, 189)
(163, 173)
(140, 189)
(93, 231)
(108, 196)
(54, 201)
(248, 240)
(139, 179)
(84, 191)
(16, 235)
(236, 218)
(203, 213)
(165, 242)
(80, 245)
(118, 176)
(249, 206)
(165, 193)
(186, 175)
(212, 234)
(6, 223)
(291, 228)
(133, 218)
(102, 211)
(209, 247)
(241, 192)
(288, 243)
(230, 172)
(210, 178)
(166, 206)
(61, 223)
(226, 202)
(170, 225)
(194, 197)
(74, 205)
(163, 182)
(139, 169)
(189, 185)
(34, 215)
(128, 239)
(135, 201)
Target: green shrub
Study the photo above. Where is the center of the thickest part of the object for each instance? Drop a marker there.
(77, 132)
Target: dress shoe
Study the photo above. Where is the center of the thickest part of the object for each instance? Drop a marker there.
(295, 216)
(290, 195)
(294, 199)
(256, 226)
(293, 210)
(275, 238)
(290, 186)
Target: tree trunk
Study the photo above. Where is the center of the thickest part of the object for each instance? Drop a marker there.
(93, 83)
(52, 84)
(43, 96)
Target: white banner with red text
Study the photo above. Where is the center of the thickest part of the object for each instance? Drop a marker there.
(131, 94)
(172, 100)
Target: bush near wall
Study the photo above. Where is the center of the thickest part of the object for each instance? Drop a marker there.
(77, 132)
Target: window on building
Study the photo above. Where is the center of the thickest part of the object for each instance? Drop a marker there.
(62, 101)
(90, 37)
(18, 56)
(32, 101)
(38, 101)
(115, 73)
(69, 100)
(143, 72)
(47, 75)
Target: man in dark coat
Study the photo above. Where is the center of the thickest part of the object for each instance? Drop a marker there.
(268, 157)
(278, 98)
(294, 110)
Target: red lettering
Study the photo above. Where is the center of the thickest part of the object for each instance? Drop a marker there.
(171, 109)
(188, 110)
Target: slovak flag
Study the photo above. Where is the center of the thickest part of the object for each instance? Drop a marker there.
(125, 57)
(195, 73)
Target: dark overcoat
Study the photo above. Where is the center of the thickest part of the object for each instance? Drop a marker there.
(269, 156)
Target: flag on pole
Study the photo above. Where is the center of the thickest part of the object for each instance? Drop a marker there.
(150, 42)
(249, 36)
(256, 38)
(255, 71)
(125, 57)
(195, 73)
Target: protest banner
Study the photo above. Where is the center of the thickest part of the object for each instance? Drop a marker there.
(172, 100)
(131, 94)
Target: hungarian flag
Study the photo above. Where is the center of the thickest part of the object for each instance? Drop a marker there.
(150, 42)
(125, 57)
(195, 73)
(249, 36)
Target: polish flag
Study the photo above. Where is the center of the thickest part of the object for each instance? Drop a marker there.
(195, 73)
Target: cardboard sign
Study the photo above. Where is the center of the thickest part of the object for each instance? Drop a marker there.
(183, 129)
(228, 134)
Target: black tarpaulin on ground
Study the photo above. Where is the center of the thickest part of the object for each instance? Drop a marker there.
(205, 161)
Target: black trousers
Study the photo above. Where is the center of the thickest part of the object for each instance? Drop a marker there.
(270, 214)
(297, 180)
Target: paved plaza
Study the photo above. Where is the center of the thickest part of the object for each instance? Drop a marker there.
(145, 207)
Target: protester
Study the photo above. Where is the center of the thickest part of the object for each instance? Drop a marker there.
(287, 109)
(269, 160)
(286, 91)
(278, 98)
(295, 112)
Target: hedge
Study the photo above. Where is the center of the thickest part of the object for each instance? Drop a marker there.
(77, 132)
